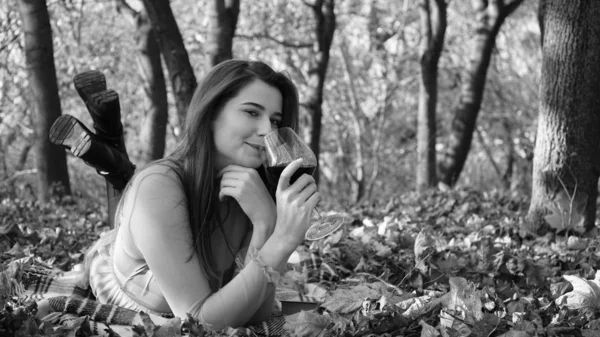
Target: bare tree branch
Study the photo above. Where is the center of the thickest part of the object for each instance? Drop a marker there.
(311, 5)
(124, 5)
(284, 43)
(512, 6)
(4, 46)
(18, 174)
(488, 152)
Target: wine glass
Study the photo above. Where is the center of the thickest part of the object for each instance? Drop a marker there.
(282, 147)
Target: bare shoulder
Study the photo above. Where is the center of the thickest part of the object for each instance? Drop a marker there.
(157, 171)
(156, 176)
(155, 203)
(157, 186)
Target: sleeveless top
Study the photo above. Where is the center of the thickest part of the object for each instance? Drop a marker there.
(119, 275)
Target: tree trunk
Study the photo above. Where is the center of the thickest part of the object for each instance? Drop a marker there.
(51, 160)
(223, 21)
(540, 17)
(357, 181)
(491, 16)
(433, 29)
(181, 73)
(566, 162)
(156, 114)
(507, 177)
(323, 11)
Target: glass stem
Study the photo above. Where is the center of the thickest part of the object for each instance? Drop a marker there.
(317, 213)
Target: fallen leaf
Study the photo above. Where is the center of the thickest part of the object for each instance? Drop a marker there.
(424, 248)
(346, 301)
(171, 328)
(452, 326)
(585, 294)
(428, 330)
(465, 299)
(306, 324)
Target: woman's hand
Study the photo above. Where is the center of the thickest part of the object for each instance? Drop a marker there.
(247, 188)
(294, 205)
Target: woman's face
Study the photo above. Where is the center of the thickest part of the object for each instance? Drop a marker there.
(241, 124)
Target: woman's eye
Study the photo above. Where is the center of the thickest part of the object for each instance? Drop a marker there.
(276, 122)
(252, 112)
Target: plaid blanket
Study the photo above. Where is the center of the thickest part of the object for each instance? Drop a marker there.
(62, 297)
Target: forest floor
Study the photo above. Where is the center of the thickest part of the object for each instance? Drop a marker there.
(449, 263)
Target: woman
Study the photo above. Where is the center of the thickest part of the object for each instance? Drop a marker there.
(183, 220)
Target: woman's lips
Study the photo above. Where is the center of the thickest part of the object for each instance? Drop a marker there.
(258, 148)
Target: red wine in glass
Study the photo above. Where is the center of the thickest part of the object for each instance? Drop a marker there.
(275, 171)
(282, 147)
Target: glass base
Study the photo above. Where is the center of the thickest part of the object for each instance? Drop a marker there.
(324, 226)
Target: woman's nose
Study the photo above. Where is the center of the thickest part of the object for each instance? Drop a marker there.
(265, 126)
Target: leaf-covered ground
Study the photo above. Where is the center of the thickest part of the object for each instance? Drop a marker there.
(448, 263)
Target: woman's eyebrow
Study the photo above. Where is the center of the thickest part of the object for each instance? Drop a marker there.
(254, 105)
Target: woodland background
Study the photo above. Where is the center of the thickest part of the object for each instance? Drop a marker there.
(369, 108)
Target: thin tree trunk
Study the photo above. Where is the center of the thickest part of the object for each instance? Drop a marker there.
(223, 21)
(51, 160)
(433, 29)
(491, 16)
(156, 114)
(323, 11)
(541, 12)
(566, 162)
(507, 177)
(181, 73)
(358, 182)
(23, 155)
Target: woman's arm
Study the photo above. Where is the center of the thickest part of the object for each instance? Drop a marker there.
(256, 242)
(160, 230)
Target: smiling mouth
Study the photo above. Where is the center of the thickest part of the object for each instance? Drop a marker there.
(257, 147)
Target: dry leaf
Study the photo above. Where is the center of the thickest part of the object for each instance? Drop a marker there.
(451, 326)
(424, 247)
(346, 301)
(306, 323)
(428, 330)
(465, 299)
(585, 294)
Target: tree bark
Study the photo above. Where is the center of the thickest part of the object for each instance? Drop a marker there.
(323, 11)
(357, 181)
(223, 21)
(51, 160)
(507, 177)
(540, 16)
(181, 73)
(491, 16)
(433, 29)
(566, 162)
(156, 113)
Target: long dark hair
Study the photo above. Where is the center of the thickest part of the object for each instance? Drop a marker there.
(194, 156)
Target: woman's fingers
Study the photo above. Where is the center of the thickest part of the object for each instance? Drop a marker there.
(314, 200)
(288, 172)
(234, 168)
(229, 186)
(226, 192)
(308, 190)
